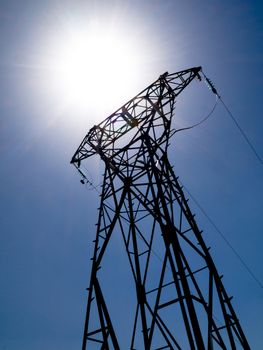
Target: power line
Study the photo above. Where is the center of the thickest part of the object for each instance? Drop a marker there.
(253, 149)
(225, 239)
(244, 135)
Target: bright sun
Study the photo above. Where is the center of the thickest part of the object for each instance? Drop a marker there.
(92, 66)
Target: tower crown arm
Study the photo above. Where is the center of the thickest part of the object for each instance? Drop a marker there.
(163, 91)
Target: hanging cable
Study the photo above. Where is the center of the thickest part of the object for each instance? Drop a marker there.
(200, 122)
(244, 135)
(242, 261)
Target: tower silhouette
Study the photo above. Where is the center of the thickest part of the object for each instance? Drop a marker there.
(185, 304)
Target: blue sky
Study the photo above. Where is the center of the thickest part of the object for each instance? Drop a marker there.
(48, 218)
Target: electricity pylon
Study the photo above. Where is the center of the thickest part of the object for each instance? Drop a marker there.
(185, 304)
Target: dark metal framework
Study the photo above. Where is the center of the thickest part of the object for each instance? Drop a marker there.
(186, 305)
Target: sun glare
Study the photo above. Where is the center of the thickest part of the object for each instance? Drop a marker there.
(92, 67)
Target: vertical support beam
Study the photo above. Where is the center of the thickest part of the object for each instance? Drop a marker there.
(139, 285)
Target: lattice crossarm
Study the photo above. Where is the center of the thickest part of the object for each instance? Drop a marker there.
(133, 113)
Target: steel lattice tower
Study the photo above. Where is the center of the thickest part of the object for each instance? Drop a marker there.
(186, 306)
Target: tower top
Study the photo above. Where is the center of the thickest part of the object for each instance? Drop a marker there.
(100, 137)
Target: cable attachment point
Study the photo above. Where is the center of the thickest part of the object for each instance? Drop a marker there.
(84, 178)
(210, 85)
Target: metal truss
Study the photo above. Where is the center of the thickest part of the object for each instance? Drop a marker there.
(185, 305)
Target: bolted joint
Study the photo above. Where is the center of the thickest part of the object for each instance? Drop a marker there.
(167, 235)
(141, 293)
(127, 182)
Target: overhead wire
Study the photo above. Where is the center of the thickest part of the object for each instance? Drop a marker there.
(241, 130)
(88, 182)
(253, 149)
(218, 97)
(242, 261)
(200, 122)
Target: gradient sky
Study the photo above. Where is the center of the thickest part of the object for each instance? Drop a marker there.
(48, 218)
